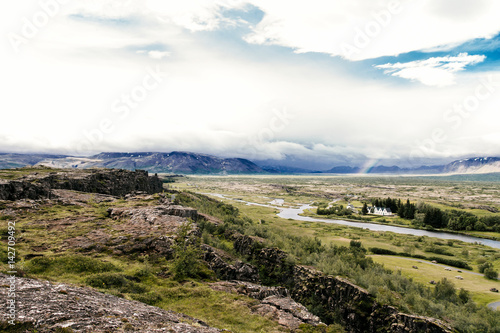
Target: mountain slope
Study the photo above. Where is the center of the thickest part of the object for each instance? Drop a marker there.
(475, 165)
(12, 160)
(174, 162)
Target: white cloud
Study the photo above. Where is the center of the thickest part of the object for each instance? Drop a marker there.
(195, 15)
(219, 100)
(155, 54)
(436, 71)
(364, 29)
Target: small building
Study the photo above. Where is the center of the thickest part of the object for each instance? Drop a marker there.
(351, 207)
(380, 211)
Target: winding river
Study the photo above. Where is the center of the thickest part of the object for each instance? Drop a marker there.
(294, 213)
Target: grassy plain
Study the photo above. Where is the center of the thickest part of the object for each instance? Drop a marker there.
(477, 197)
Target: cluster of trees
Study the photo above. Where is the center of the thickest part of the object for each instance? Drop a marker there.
(489, 272)
(445, 290)
(405, 210)
(429, 216)
(457, 219)
(334, 210)
(393, 204)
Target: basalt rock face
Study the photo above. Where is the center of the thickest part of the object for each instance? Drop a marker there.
(274, 303)
(110, 182)
(356, 306)
(46, 307)
(227, 271)
(15, 190)
(339, 298)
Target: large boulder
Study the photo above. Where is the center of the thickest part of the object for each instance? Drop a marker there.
(43, 306)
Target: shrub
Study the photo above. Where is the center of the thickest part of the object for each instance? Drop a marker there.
(355, 243)
(491, 274)
(377, 250)
(121, 282)
(438, 250)
(150, 298)
(187, 259)
(464, 295)
(419, 256)
(451, 262)
(484, 266)
(445, 290)
(69, 264)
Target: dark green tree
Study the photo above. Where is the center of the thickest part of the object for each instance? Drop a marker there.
(187, 255)
(484, 266)
(435, 217)
(364, 210)
(463, 295)
(445, 290)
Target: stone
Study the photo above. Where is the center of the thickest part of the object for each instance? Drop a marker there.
(46, 307)
(275, 303)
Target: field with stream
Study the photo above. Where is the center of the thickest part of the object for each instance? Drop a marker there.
(423, 258)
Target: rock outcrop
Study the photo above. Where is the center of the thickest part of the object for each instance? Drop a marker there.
(111, 182)
(149, 229)
(249, 289)
(15, 190)
(45, 307)
(358, 308)
(339, 298)
(227, 271)
(275, 303)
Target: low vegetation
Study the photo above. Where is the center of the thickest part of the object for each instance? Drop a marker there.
(443, 300)
(180, 284)
(380, 262)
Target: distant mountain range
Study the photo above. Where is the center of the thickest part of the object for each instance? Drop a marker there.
(193, 163)
(474, 165)
(174, 162)
(11, 160)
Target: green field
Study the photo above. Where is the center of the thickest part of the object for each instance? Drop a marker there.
(307, 189)
(427, 271)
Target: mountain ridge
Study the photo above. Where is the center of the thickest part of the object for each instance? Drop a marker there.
(173, 162)
(182, 162)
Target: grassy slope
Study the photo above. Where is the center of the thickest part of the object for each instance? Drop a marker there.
(427, 271)
(194, 298)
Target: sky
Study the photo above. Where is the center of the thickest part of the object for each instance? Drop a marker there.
(320, 83)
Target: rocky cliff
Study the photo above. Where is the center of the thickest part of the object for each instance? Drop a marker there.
(112, 182)
(338, 298)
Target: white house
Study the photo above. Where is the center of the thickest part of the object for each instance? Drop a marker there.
(380, 211)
